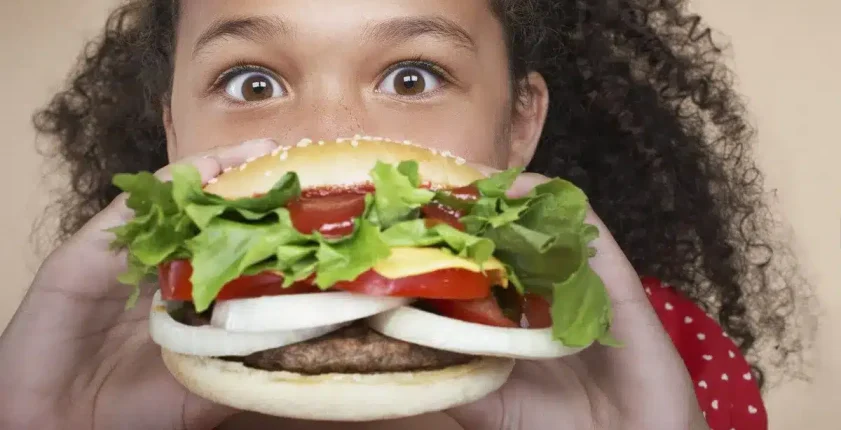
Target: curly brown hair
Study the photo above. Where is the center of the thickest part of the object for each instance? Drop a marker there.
(643, 118)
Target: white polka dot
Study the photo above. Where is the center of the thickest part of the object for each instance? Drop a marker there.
(752, 410)
(688, 320)
(702, 384)
(724, 377)
(701, 336)
(714, 404)
(707, 357)
(725, 335)
(731, 354)
(747, 376)
(669, 306)
(648, 291)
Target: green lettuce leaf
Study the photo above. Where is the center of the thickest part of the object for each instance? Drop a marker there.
(548, 245)
(397, 196)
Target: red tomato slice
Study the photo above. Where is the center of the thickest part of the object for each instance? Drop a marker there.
(487, 311)
(174, 278)
(434, 213)
(480, 311)
(536, 312)
(468, 192)
(455, 284)
(331, 215)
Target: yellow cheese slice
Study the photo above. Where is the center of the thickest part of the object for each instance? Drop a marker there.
(405, 261)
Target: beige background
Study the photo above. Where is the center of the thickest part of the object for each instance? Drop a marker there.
(787, 60)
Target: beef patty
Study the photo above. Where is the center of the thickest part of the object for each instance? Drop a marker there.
(355, 348)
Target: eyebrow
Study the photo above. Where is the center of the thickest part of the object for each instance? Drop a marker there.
(392, 31)
(252, 28)
(400, 30)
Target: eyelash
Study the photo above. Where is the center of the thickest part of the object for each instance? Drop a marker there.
(420, 63)
(238, 69)
(417, 62)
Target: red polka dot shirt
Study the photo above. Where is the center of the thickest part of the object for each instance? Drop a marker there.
(724, 385)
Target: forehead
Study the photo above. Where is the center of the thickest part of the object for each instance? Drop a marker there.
(336, 19)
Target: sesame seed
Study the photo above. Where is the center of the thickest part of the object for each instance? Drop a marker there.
(284, 155)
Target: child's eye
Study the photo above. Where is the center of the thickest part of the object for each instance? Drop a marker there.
(410, 81)
(252, 85)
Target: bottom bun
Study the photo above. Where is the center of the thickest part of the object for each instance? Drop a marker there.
(337, 397)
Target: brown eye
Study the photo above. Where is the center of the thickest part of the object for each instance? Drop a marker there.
(253, 87)
(410, 81)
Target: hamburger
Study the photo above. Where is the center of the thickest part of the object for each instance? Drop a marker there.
(359, 279)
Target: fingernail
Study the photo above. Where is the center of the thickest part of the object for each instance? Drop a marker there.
(258, 142)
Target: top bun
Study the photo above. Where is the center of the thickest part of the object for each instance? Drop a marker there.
(342, 162)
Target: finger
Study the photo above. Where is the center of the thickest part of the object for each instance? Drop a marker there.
(209, 164)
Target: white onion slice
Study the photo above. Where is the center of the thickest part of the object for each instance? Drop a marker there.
(435, 331)
(298, 311)
(210, 341)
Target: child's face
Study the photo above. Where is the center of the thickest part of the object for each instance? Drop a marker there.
(431, 71)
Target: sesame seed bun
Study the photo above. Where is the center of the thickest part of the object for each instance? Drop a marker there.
(341, 162)
(337, 397)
